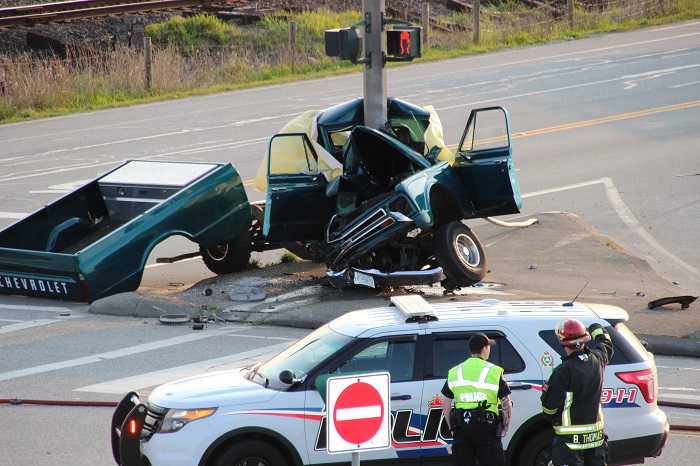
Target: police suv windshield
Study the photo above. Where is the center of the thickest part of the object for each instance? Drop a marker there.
(300, 358)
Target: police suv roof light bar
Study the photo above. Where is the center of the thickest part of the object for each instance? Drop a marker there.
(415, 308)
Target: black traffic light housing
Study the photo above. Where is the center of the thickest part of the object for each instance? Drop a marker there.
(403, 43)
(345, 44)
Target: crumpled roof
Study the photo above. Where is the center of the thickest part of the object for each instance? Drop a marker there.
(289, 158)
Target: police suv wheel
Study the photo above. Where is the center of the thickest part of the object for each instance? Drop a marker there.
(537, 450)
(250, 453)
(460, 253)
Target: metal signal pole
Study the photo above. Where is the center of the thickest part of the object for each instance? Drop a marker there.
(375, 72)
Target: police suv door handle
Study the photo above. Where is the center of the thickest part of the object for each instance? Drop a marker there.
(519, 386)
(400, 397)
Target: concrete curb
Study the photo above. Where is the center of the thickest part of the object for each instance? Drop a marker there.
(672, 346)
(133, 304)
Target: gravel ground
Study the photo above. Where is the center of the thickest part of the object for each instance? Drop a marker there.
(101, 32)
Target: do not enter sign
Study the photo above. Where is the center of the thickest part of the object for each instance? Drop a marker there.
(358, 412)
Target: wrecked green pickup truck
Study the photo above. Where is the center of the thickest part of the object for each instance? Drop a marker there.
(95, 241)
(381, 207)
(385, 207)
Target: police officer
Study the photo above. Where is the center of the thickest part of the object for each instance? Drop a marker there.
(571, 396)
(476, 386)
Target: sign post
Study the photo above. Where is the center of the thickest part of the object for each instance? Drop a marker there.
(358, 413)
(371, 50)
(374, 76)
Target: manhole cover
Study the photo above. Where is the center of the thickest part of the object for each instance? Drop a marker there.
(174, 319)
(247, 293)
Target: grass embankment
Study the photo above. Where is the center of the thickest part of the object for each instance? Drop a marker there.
(201, 54)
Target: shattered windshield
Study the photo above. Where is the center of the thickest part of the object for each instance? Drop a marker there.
(300, 358)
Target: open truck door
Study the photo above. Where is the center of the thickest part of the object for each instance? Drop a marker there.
(484, 163)
(297, 206)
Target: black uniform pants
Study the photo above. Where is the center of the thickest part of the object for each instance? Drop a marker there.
(562, 455)
(477, 441)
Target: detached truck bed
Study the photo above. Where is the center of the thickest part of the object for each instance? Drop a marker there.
(94, 241)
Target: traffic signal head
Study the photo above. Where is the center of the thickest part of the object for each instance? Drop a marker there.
(345, 44)
(404, 42)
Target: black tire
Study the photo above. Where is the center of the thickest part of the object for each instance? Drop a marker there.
(460, 253)
(536, 449)
(231, 257)
(250, 453)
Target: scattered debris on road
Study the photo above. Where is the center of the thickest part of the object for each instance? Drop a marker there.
(684, 301)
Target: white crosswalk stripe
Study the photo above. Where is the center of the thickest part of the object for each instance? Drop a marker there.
(114, 354)
(151, 379)
(56, 351)
(28, 324)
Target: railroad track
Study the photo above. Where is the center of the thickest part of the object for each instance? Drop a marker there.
(32, 15)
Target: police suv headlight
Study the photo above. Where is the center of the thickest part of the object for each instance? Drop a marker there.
(176, 419)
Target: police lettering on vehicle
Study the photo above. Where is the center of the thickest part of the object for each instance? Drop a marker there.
(618, 398)
(434, 432)
(32, 284)
(612, 397)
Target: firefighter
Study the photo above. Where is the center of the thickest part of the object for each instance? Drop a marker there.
(571, 396)
(477, 386)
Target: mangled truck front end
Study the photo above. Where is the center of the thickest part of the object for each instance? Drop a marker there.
(385, 207)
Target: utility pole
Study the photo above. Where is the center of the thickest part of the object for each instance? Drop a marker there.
(375, 96)
(373, 49)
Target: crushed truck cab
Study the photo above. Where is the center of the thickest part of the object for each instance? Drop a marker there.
(388, 203)
(95, 241)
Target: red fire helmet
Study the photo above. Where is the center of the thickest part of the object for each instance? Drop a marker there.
(572, 333)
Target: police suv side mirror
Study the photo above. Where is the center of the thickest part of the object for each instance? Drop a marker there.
(287, 376)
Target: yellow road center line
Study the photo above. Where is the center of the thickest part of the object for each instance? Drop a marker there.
(598, 121)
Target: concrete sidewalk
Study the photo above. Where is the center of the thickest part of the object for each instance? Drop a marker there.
(555, 259)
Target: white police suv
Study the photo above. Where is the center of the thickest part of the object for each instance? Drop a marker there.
(274, 414)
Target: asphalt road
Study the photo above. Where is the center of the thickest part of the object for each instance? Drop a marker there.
(92, 358)
(603, 127)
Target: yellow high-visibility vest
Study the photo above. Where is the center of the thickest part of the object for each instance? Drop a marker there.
(473, 382)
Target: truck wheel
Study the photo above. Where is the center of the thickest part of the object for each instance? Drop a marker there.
(536, 450)
(250, 453)
(460, 253)
(231, 257)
